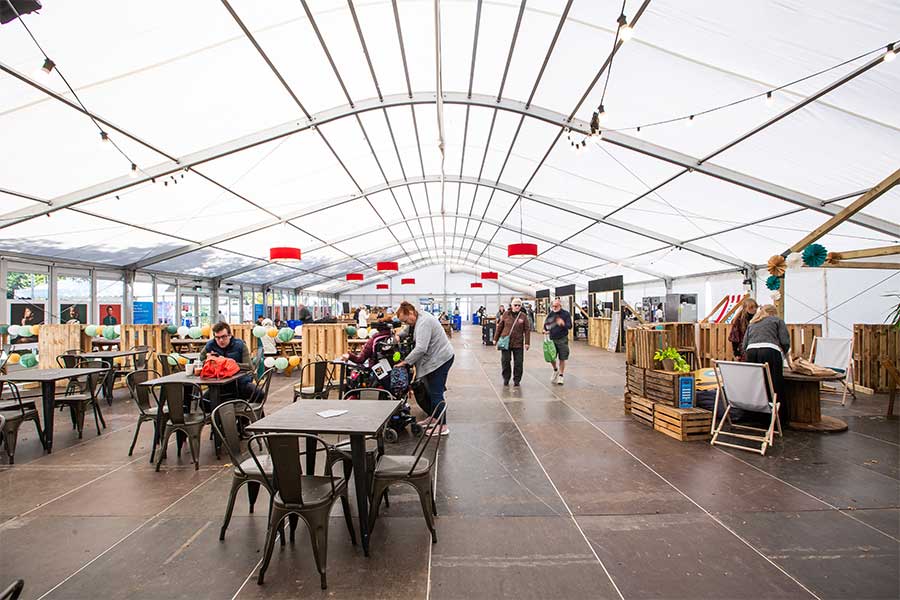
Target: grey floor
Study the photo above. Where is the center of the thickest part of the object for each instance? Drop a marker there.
(543, 492)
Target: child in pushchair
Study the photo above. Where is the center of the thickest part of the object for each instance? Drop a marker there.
(375, 369)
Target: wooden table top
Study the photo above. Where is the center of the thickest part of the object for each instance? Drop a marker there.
(183, 377)
(111, 353)
(363, 417)
(794, 376)
(105, 342)
(49, 374)
(191, 356)
(186, 341)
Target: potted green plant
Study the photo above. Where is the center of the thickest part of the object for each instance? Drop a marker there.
(671, 360)
(894, 316)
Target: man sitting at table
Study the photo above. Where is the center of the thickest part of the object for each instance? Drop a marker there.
(228, 346)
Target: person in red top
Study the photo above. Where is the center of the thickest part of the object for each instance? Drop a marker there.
(368, 351)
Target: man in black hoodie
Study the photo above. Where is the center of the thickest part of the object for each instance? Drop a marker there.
(557, 324)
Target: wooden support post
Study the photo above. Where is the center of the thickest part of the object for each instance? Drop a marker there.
(861, 265)
(868, 253)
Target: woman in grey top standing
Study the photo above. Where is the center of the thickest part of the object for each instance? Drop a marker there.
(432, 356)
(767, 341)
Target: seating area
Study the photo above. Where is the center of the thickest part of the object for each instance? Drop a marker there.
(463, 299)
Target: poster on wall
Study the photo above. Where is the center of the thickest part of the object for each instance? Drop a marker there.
(73, 313)
(26, 314)
(110, 314)
(143, 313)
(257, 311)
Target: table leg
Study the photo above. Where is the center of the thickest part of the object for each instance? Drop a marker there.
(360, 478)
(214, 392)
(310, 456)
(806, 409)
(48, 395)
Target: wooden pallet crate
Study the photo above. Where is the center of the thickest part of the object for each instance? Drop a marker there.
(662, 386)
(598, 332)
(634, 379)
(642, 410)
(683, 424)
(54, 340)
(328, 341)
(714, 344)
(802, 337)
(871, 343)
(642, 344)
(627, 401)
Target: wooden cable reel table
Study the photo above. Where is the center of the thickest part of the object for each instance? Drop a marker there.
(804, 400)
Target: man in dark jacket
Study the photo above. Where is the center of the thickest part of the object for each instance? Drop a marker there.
(515, 324)
(303, 314)
(557, 325)
(228, 346)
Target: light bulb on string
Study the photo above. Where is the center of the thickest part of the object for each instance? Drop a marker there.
(625, 30)
(104, 136)
(43, 72)
(638, 131)
(133, 173)
(690, 121)
(891, 53)
(769, 99)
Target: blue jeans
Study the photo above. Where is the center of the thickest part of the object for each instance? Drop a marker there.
(436, 381)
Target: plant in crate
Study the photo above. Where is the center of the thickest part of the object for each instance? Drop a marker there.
(671, 360)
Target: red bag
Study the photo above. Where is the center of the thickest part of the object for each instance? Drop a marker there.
(219, 367)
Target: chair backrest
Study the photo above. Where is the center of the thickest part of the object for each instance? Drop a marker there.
(834, 353)
(747, 386)
(140, 360)
(68, 360)
(13, 591)
(2, 423)
(164, 366)
(174, 395)
(262, 387)
(368, 394)
(284, 451)
(141, 393)
(95, 381)
(224, 422)
(437, 416)
(319, 374)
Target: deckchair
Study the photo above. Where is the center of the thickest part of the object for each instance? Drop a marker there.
(835, 354)
(747, 386)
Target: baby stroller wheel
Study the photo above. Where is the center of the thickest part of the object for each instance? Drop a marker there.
(390, 435)
(416, 429)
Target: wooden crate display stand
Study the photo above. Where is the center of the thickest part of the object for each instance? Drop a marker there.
(642, 410)
(634, 379)
(54, 340)
(683, 424)
(328, 341)
(661, 386)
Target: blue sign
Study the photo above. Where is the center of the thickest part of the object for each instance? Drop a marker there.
(686, 392)
(142, 313)
(257, 311)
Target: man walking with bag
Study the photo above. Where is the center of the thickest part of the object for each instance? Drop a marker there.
(557, 326)
(513, 338)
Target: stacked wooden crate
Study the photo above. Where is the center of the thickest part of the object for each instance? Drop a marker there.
(634, 379)
(714, 344)
(661, 386)
(642, 410)
(683, 424)
(871, 343)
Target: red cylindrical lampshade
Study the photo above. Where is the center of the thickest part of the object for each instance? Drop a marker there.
(522, 250)
(387, 266)
(354, 276)
(476, 284)
(284, 254)
(407, 281)
(489, 275)
(382, 286)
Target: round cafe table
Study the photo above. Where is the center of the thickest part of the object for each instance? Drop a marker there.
(804, 400)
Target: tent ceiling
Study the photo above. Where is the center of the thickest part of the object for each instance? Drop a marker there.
(336, 153)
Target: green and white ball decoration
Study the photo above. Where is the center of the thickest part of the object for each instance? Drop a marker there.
(281, 363)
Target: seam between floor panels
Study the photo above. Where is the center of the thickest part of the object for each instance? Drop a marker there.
(555, 489)
(129, 534)
(791, 485)
(875, 438)
(674, 487)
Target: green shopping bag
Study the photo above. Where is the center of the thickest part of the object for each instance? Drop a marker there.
(549, 350)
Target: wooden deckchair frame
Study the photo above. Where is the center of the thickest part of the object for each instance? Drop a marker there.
(766, 440)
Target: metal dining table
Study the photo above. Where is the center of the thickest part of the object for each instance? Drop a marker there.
(363, 418)
(48, 378)
(110, 356)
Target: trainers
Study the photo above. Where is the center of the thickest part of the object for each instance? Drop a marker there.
(444, 430)
(560, 379)
(516, 383)
(506, 383)
(555, 375)
(424, 422)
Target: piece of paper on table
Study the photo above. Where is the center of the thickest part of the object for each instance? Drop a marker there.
(325, 414)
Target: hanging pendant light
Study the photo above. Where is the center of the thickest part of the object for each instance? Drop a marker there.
(522, 250)
(408, 281)
(490, 275)
(387, 266)
(354, 276)
(476, 284)
(382, 286)
(284, 254)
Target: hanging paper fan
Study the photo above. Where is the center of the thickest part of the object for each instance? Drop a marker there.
(814, 255)
(776, 296)
(773, 283)
(776, 265)
(794, 260)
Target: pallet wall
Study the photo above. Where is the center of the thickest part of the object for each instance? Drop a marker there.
(598, 332)
(54, 340)
(328, 341)
(714, 344)
(870, 344)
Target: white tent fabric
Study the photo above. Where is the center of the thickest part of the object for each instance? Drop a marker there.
(168, 79)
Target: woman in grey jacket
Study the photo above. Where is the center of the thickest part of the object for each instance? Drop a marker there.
(767, 341)
(432, 356)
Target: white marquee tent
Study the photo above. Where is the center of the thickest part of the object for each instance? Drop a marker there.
(436, 132)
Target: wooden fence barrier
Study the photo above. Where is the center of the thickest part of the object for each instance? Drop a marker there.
(871, 344)
(714, 344)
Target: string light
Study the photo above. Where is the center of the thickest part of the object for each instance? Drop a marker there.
(690, 121)
(769, 100)
(45, 70)
(133, 173)
(625, 30)
(891, 53)
(104, 136)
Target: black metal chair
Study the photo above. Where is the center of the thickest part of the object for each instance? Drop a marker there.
(69, 360)
(225, 423)
(414, 470)
(12, 415)
(179, 419)
(321, 382)
(13, 591)
(140, 360)
(257, 400)
(165, 367)
(310, 497)
(148, 407)
(80, 401)
(340, 452)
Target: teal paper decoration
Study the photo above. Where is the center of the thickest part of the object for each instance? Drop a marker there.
(773, 283)
(814, 255)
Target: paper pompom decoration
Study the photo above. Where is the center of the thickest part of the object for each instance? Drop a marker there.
(773, 283)
(28, 361)
(205, 331)
(794, 260)
(285, 334)
(13, 331)
(35, 329)
(814, 255)
(294, 361)
(269, 362)
(182, 360)
(117, 329)
(4, 329)
(298, 330)
(171, 329)
(259, 331)
(173, 358)
(271, 332)
(351, 331)
(776, 265)
(281, 363)
(362, 333)
(776, 296)
(183, 331)
(13, 358)
(110, 333)
(90, 330)
(195, 332)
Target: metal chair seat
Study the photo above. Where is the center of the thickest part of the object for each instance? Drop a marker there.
(316, 491)
(393, 465)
